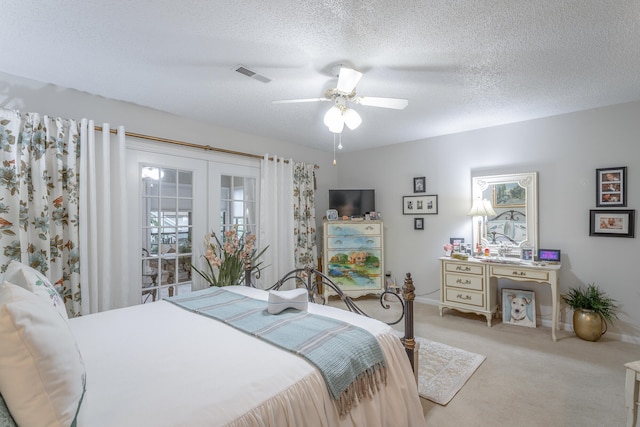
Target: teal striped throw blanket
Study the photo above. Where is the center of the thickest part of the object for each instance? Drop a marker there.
(349, 358)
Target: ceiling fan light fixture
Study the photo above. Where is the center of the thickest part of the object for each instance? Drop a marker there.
(332, 116)
(337, 127)
(351, 118)
(333, 119)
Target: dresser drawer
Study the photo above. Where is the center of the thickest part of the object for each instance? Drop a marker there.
(457, 267)
(354, 229)
(460, 296)
(504, 271)
(354, 242)
(465, 281)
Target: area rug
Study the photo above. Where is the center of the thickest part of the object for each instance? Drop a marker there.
(443, 370)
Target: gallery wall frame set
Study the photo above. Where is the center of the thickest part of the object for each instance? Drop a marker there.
(612, 222)
(420, 205)
(420, 184)
(611, 187)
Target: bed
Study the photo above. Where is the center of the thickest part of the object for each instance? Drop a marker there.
(159, 365)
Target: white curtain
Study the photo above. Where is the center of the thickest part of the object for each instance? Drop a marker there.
(104, 249)
(276, 218)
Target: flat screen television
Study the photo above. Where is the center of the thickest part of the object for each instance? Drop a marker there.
(352, 203)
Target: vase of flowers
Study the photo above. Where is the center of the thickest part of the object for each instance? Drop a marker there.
(228, 261)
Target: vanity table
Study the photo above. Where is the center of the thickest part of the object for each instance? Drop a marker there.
(471, 286)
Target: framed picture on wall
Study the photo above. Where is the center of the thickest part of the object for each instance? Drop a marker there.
(420, 205)
(612, 223)
(418, 223)
(419, 185)
(611, 187)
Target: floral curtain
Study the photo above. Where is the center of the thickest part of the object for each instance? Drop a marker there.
(39, 189)
(304, 217)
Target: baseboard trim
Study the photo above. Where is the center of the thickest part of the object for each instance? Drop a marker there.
(563, 326)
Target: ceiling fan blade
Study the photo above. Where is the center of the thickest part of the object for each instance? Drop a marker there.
(293, 101)
(373, 101)
(348, 79)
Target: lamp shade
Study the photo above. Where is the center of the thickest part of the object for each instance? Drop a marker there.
(337, 126)
(333, 117)
(351, 118)
(481, 208)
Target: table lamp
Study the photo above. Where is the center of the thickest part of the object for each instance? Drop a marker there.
(481, 209)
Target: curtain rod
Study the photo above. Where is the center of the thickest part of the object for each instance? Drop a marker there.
(192, 145)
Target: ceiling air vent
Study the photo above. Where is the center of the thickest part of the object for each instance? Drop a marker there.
(247, 72)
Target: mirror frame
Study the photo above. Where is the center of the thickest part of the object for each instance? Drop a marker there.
(528, 181)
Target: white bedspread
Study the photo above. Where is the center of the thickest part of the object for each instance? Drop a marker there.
(159, 365)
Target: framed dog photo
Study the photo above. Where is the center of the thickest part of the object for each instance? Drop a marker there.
(519, 307)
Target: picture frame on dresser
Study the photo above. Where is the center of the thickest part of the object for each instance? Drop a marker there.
(420, 205)
(612, 222)
(332, 214)
(611, 187)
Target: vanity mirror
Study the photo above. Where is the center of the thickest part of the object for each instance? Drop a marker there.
(514, 198)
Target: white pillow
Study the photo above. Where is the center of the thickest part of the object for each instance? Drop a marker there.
(281, 300)
(42, 374)
(32, 280)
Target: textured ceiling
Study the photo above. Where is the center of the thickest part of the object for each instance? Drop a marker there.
(461, 64)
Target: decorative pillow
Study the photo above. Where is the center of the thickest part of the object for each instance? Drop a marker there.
(32, 280)
(6, 420)
(42, 374)
(281, 300)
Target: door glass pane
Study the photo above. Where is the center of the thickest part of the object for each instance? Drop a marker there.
(238, 204)
(167, 209)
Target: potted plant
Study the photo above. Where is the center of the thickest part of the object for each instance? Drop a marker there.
(592, 309)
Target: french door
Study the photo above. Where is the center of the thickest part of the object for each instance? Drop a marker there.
(177, 200)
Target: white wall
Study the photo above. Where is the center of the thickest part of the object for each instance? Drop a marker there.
(17, 93)
(565, 151)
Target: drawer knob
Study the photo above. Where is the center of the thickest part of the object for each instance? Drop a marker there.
(463, 282)
(463, 297)
(461, 268)
(519, 273)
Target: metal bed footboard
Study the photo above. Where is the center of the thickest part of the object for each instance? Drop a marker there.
(312, 279)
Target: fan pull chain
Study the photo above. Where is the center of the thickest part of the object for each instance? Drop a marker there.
(334, 149)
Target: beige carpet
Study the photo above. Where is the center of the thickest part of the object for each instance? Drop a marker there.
(443, 370)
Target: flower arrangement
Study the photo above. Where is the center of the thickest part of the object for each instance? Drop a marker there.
(229, 257)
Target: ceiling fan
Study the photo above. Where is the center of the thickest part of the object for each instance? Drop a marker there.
(339, 115)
